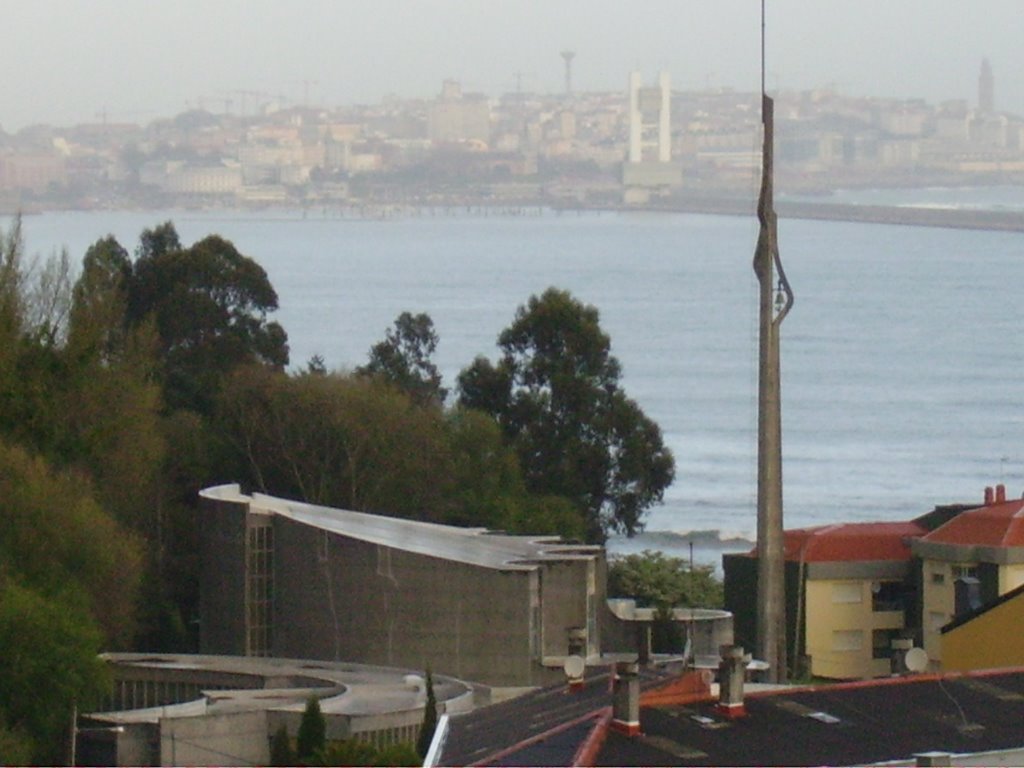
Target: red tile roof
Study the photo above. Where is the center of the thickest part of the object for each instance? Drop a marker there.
(846, 542)
(994, 525)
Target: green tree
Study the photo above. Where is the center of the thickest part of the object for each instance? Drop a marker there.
(429, 719)
(49, 666)
(398, 755)
(486, 486)
(312, 732)
(656, 580)
(100, 299)
(15, 745)
(56, 539)
(555, 392)
(281, 747)
(404, 359)
(351, 752)
(339, 440)
(209, 305)
(347, 752)
(157, 242)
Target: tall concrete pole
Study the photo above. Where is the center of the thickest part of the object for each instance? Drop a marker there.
(776, 299)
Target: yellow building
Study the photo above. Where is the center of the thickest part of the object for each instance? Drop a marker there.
(850, 593)
(973, 559)
(988, 638)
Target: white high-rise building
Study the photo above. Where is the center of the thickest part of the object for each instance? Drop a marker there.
(648, 167)
(650, 120)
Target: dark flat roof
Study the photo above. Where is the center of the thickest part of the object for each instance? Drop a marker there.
(847, 724)
(543, 727)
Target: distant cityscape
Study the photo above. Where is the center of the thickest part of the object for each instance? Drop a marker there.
(644, 144)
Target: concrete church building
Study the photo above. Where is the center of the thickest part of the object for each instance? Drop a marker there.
(288, 579)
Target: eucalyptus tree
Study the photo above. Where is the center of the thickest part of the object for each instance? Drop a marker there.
(555, 392)
(209, 305)
(403, 358)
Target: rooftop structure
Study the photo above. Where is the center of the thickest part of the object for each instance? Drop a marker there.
(285, 578)
(953, 719)
(850, 593)
(972, 559)
(169, 709)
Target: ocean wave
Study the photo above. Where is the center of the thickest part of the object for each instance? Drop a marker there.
(677, 540)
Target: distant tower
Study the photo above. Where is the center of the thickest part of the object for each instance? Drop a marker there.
(986, 89)
(648, 168)
(568, 56)
(649, 120)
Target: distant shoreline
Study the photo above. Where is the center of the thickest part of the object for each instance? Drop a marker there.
(947, 218)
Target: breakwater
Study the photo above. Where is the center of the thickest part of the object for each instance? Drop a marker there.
(952, 218)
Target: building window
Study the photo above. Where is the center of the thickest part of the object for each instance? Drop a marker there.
(964, 571)
(881, 643)
(847, 640)
(847, 592)
(887, 596)
(259, 589)
(938, 578)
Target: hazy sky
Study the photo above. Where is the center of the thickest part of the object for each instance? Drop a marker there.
(66, 61)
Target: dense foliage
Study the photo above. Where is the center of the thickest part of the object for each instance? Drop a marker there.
(312, 734)
(555, 392)
(403, 359)
(156, 373)
(656, 580)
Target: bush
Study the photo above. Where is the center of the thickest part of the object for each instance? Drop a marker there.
(312, 732)
(655, 580)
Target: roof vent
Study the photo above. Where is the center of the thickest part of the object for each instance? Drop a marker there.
(574, 667)
(626, 698)
(732, 671)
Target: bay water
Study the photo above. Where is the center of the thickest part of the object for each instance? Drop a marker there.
(902, 360)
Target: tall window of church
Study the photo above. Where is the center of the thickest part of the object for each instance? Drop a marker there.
(259, 589)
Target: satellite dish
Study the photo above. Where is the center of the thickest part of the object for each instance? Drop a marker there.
(574, 666)
(916, 660)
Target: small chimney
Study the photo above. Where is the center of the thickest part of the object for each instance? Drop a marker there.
(732, 671)
(1000, 493)
(626, 698)
(577, 641)
(643, 643)
(988, 495)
